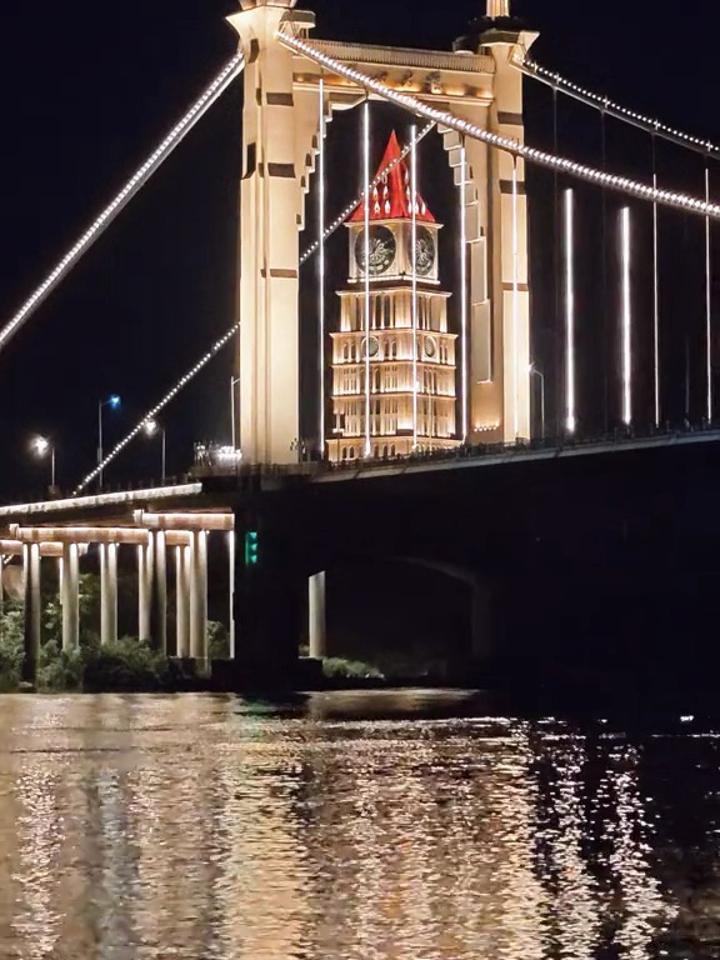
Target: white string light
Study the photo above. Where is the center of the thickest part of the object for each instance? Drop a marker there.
(154, 411)
(134, 184)
(708, 302)
(625, 242)
(366, 179)
(414, 237)
(321, 268)
(351, 207)
(542, 158)
(464, 291)
(610, 107)
(570, 415)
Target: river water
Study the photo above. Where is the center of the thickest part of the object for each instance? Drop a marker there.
(401, 826)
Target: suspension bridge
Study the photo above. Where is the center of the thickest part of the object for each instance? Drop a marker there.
(431, 445)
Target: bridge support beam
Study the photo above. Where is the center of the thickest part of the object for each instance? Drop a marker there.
(108, 593)
(159, 626)
(317, 617)
(33, 612)
(198, 599)
(183, 564)
(70, 597)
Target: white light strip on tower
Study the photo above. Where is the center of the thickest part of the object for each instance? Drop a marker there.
(134, 184)
(625, 256)
(514, 355)
(542, 158)
(368, 194)
(656, 306)
(352, 207)
(154, 411)
(464, 294)
(321, 268)
(616, 110)
(708, 302)
(569, 251)
(413, 240)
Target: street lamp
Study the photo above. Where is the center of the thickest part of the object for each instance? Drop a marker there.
(152, 428)
(114, 402)
(234, 381)
(534, 372)
(42, 447)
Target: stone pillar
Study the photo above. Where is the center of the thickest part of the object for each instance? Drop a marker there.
(277, 137)
(108, 593)
(232, 560)
(317, 621)
(160, 592)
(198, 598)
(145, 591)
(182, 601)
(33, 611)
(70, 597)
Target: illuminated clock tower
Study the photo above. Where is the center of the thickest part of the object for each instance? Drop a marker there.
(412, 396)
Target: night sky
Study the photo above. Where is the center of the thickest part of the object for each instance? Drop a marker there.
(91, 87)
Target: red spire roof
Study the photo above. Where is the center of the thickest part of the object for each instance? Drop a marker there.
(390, 199)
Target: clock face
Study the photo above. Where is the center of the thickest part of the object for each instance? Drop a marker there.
(425, 252)
(382, 250)
(374, 347)
(430, 348)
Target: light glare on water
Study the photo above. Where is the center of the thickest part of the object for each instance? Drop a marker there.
(347, 827)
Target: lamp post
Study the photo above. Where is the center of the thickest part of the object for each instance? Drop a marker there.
(234, 381)
(534, 372)
(42, 447)
(114, 402)
(152, 429)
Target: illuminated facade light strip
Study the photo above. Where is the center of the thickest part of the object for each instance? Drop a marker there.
(569, 250)
(134, 184)
(414, 238)
(351, 207)
(464, 294)
(708, 301)
(591, 99)
(625, 257)
(515, 301)
(368, 194)
(581, 171)
(321, 268)
(121, 498)
(656, 309)
(154, 411)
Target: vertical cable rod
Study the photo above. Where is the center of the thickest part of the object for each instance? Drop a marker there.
(625, 257)
(414, 231)
(514, 355)
(656, 291)
(569, 251)
(464, 294)
(708, 299)
(366, 179)
(321, 268)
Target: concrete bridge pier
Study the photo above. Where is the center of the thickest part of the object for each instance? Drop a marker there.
(183, 563)
(317, 616)
(33, 611)
(108, 593)
(199, 599)
(70, 597)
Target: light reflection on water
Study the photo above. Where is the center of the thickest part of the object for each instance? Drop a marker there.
(207, 827)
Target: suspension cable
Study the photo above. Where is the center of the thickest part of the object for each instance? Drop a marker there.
(598, 102)
(154, 411)
(178, 133)
(626, 185)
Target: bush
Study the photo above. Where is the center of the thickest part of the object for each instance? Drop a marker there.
(128, 665)
(11, 646)
(59, 671)
(335, 668)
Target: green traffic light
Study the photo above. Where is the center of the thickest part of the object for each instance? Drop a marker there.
(252, 548)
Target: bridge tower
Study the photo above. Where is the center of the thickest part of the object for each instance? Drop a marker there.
(478, 81)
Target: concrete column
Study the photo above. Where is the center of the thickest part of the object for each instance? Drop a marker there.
(33, 611)
(232, 555)
(108, 593)
(317, 620)
(160, 592)
(198, 597)
(183, 566)
(145, 581)
(70, 598)
(2, 586)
